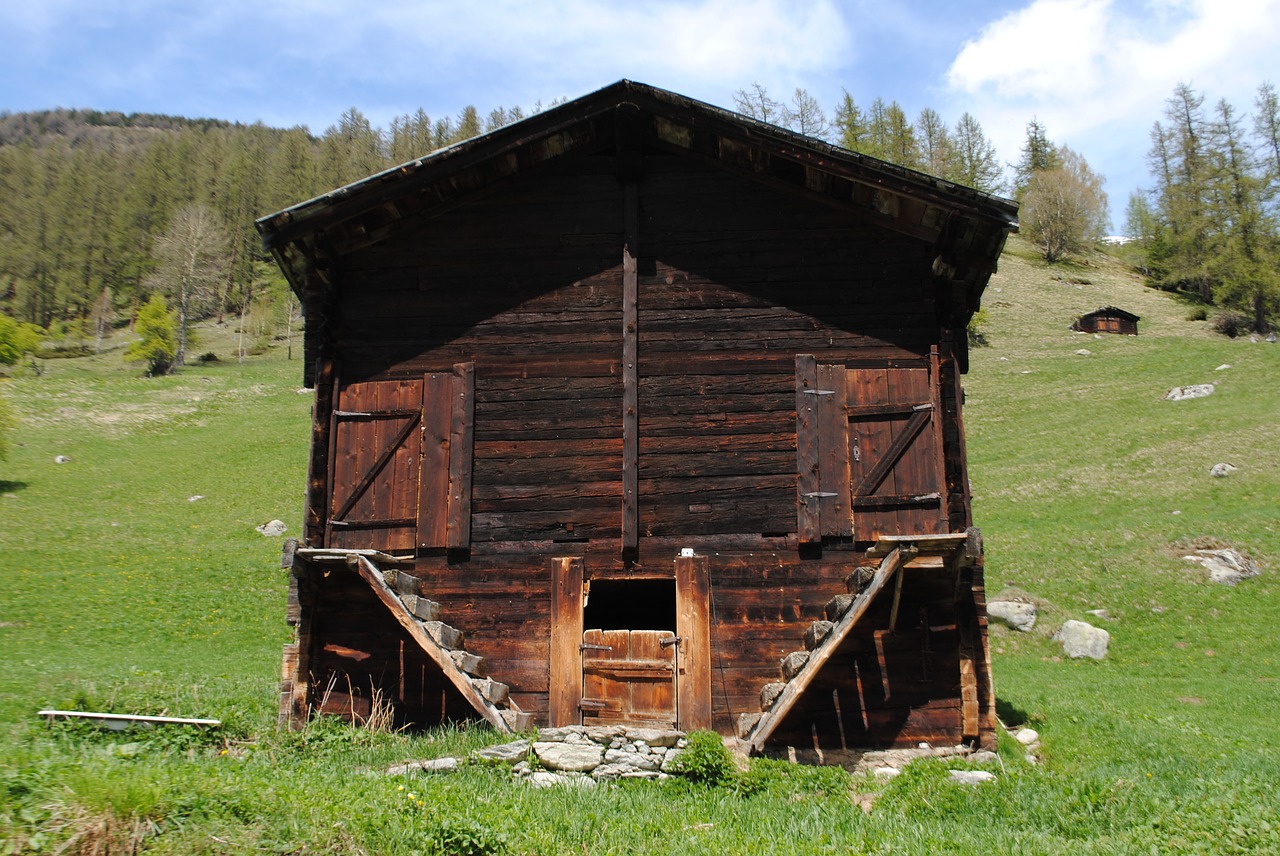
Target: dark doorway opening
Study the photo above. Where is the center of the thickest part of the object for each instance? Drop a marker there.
(630, 605)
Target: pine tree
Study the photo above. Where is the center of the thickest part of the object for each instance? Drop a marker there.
(936, 150)
(1038, 155)
(974, 162)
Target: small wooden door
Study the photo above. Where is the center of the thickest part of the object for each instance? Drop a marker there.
(629, 676)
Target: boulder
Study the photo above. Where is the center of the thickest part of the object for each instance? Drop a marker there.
(1225, 566)
(1195, 390)
(1221, 471)
(1084, 352)
(1026, 736)
(272, 529)
(1081, 639)
(1013, 613)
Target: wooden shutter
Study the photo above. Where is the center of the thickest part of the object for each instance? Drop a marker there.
(448, 443)
(374, 466)
(822, 451)
(896, 463)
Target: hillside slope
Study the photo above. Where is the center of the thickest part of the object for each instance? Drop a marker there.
(131, 579)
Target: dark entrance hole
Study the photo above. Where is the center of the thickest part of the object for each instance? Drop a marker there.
(630, 605)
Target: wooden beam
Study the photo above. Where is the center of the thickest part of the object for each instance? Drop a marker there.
(565, 667)
(460, 680)
(630, 369)
(795, 688)
(693, 626)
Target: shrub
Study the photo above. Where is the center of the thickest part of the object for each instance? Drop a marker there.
(705, 759)
(1198, 314)
(158, 328)
(1230, 323)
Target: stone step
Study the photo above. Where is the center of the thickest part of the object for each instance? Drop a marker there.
(493, 691)
(420, 607)
(769, 694)
(403, 583)
(793, 664)
(746, 722)
(817, 634)
(859, 579)
(838, 606)
(470, 664)
(449, 638)
(516, 720)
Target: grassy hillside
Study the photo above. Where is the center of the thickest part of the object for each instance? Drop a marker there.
(118, 591)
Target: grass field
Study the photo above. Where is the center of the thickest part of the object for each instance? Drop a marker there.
(120, 592)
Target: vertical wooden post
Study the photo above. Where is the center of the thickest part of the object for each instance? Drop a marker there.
(630, 369)
(565, 661)
(693, 626)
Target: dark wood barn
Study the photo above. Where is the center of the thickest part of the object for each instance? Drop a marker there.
(642, 411)
(1108, 319)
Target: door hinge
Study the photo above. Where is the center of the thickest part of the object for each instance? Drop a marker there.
(670, 640)
(585, 647)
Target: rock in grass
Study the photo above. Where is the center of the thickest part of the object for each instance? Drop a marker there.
(1013, 613)
(1081, 639)
(1195, 390)
(1227, 567)
(1221, 471)
(972, 777)
(505, 753)
(272, 528)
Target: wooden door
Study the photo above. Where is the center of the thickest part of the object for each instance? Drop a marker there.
(629, 676)
(374, 465)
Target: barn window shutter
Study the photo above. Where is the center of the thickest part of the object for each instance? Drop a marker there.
(822, 451)
(448, 419)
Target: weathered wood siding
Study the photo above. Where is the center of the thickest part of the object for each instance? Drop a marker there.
(521, 290)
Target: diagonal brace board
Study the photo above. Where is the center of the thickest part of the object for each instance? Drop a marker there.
(795, 688)
(456, 676)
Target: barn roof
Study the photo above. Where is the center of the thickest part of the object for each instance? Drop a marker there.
(967, 228)
(1111, 312)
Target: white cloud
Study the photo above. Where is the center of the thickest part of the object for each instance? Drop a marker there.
(1097, 73)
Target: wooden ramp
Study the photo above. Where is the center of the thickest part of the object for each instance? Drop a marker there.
(441, 643)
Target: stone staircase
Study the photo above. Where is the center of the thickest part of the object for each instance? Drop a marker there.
(408, 590)
(843, 612)
(402, 594)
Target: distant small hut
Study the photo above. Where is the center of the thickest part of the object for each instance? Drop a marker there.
(1108, 319)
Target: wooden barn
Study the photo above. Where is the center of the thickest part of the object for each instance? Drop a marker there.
(642, 411)
(1107, 319)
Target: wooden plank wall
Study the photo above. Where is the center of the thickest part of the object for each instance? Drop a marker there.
(734, 280)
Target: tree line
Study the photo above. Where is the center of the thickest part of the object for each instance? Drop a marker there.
(1210, 225)
(101, 209)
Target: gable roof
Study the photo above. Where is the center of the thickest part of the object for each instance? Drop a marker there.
(1111, 312)
(966, 228)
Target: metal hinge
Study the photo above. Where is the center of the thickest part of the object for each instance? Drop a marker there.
(670, 640)
(585, 647)
(819, 494)
(819, 392)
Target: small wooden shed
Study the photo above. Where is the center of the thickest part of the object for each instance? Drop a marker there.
(1107, 319)
(642, 411)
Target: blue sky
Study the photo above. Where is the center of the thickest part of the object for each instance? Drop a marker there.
(1094, 72)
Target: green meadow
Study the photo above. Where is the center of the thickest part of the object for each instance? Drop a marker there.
(121, 591)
